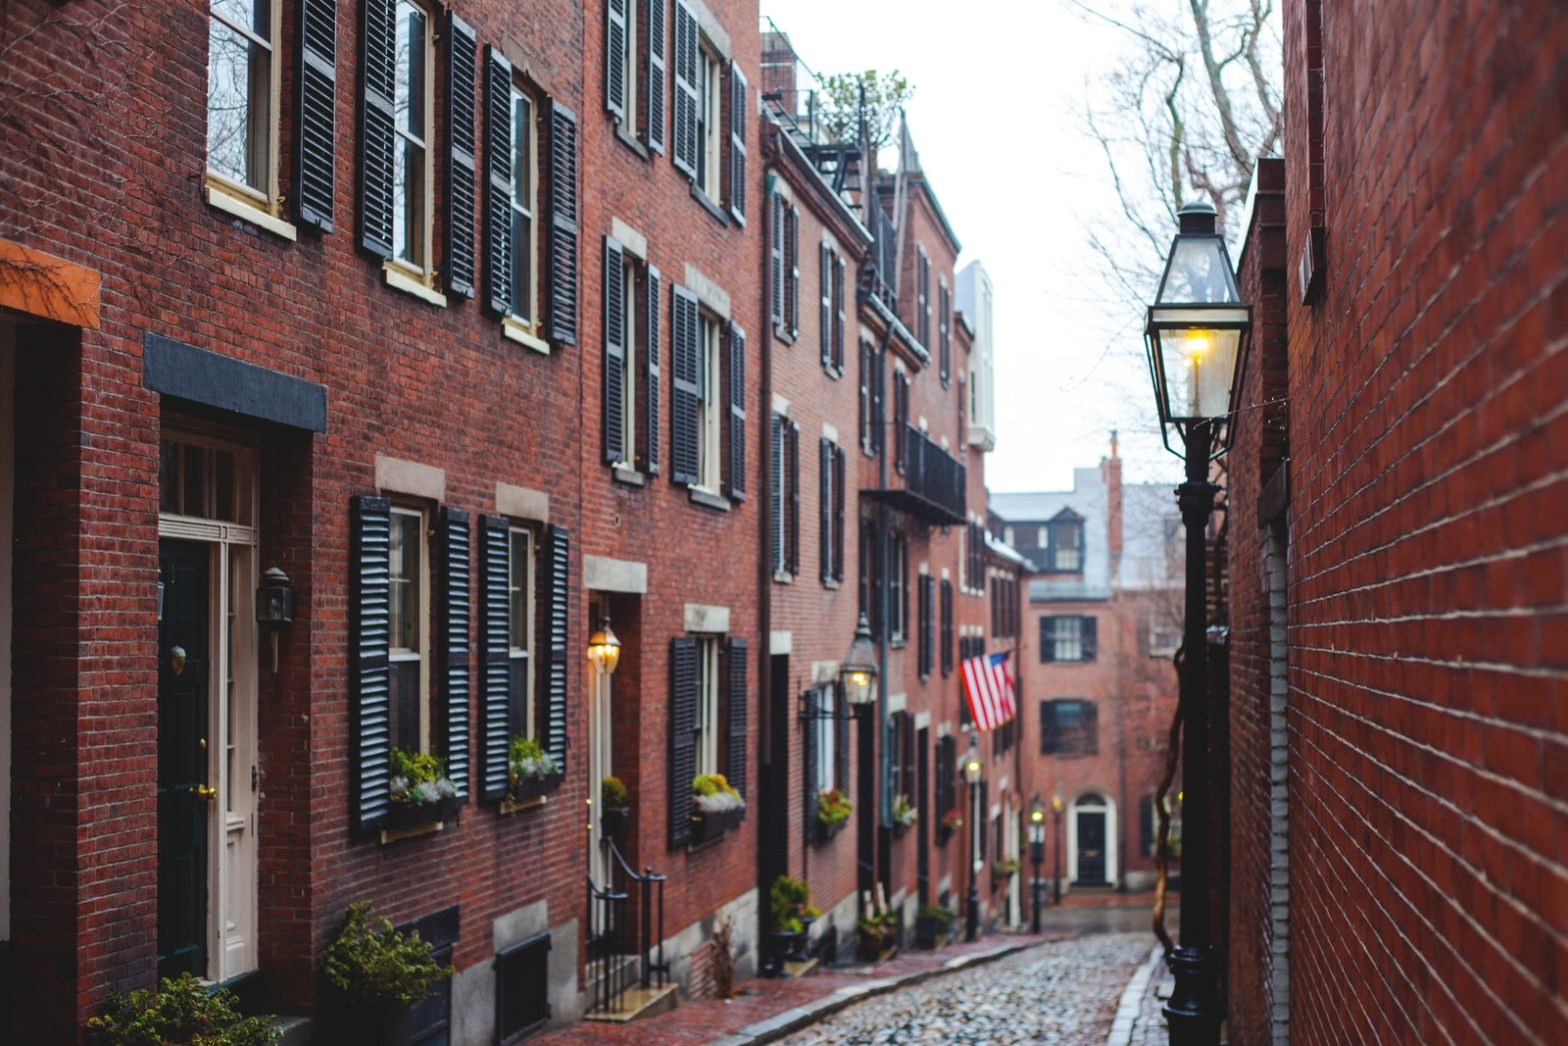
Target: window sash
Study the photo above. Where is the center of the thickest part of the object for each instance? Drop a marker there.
(524, 199)
(827, 740)
(258, 178)
(629, 360)
(1067, 638)
(707, 706)
(708, 120)
(408, 569)
(709, 395)
(412, 109)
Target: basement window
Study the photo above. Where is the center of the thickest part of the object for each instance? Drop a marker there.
(522, 1000)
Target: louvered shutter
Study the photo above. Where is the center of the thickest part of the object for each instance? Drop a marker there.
(652, 419)
(1091, 727)
(499, 249)
(739, 98)
(557, 564)
(825, 508)
(684, 151)
(793, 249)
(792, 479)
(461, 88)
(775, 493)
(878, 415)
(653, 75)
(900, 421)
(683, 736)
(947, 627)
(456, 662)
(736, 701)
(315, 107)
(563, 224)
(614, 352)
(924, 642)
(841, 739)
(1091, 638)
(615, 58)
(809, 760)
(944, 319)
(825, 310)
(1047, 640)
(963, 416)
(377, 84)
(370, 647)
(686, 397)
(735, 429)
(838, 514)
(838, 314)
(495, 641)
(776, 259)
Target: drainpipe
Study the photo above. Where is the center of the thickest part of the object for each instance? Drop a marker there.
(765, 740)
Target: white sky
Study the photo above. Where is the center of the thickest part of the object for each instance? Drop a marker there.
(999, 89)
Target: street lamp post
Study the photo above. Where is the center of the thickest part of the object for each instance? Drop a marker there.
(1036, 857)
(1056, 884)
(1193, 335)
(972, 770)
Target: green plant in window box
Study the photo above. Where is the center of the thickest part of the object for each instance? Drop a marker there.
(183, 1011)
(420, 790)
(904, 812)
(374, 974)
(1000, 870)
(717, 804)
(952, 821)
(531, 770)
(833, 810)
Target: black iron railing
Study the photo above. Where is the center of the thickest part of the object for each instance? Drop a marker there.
(929, 484)
(625, 933)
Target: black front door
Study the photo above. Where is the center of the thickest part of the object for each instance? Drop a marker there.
(923, 815)
(1091, 846)
(183, 794)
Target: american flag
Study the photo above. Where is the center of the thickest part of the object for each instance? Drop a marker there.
(988, 686)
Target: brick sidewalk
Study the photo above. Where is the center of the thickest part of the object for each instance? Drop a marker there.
(764, 999)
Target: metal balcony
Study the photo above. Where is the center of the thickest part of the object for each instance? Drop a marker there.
(927, 482)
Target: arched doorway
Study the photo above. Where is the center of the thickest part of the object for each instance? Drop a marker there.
(1091, 840)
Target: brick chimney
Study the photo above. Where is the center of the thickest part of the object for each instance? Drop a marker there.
(1111, 473)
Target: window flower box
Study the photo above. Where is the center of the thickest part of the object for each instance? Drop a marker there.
(707, 826)
(403, 816)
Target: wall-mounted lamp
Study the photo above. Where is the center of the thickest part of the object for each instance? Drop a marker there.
(604, 648)
(274, 606)
(858, 671)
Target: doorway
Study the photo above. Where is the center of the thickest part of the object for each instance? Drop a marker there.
(1091, 844)
(601, 728)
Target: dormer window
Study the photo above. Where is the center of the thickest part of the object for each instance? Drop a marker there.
(1063, 543)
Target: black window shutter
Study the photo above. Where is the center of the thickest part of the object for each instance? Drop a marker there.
(377, 83)
(1091, 638)
(776, 491)
(825, 310)
(614, 352)
(683, 153)
(878, 384)
(927, 623)
(563, 224)
(810, 759)
(1047, 640)
(369, 647)
(686, 398)
(315, 105)
(982, 814)
(793, 249)
(557, 572)
(825, 508)
(838, 513)
(947, 627)
(615, 58)
(1146, 826)
(461, 88)
(735, 434)
(495, 681)
(1091, 727)
(736, 700)
(498, 182)
(944, 321)
(900, 421)
(739, 98)
(653, 75)
(456, 621)
(865, 395)
(776, 254)
(838, 314)
(792, 504)
(651, 432)
(683, 736)
(841, 739)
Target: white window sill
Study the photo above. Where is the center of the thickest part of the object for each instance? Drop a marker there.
(708, 498)
(783, 577)
(628, 474)
(523, 336)
(399, 278)
(230, 204)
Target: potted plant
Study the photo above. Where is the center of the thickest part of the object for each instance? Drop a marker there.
(932, 925)
(1001, 870)
(789, 902)
(373, 975)
(182, 1011)
(614, 807)
(904, 814)
(718, 806)
(833, 810)
(421, 792)
(531, 771)
(952, 821)
(878, 935)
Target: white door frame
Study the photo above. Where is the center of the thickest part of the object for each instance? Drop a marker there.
(600, 765)
(1093, 802)
(1010, 848)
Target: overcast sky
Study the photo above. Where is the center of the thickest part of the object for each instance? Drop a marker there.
(999, 91)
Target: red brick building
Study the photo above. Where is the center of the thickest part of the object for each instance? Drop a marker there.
(1393, 536)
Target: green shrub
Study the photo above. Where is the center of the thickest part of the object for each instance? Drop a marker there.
(182, 1012)
(371, 963)
(612, 793)
(712, 784)
(936, 912)
(789, 900)
(833, 808)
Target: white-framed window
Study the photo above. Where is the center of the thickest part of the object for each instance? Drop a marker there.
(242, 100)
(413, 105)
(710, 92)
(525, 208)
(1164, 634)
(826, 739)
(631, 303)
(709, 730)
(710, 350)
(898, 586)
(520, 622)
(408, 616)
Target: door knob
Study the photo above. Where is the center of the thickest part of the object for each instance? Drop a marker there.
(207, 792)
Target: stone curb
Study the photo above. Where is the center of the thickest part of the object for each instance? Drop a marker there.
(1130, 1006)
(781, 1024)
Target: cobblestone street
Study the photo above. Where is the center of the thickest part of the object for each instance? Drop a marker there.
(1061, 991)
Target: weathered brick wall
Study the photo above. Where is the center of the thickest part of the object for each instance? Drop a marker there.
(1427, 514)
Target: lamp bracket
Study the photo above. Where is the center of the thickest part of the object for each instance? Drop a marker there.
(811, 709)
